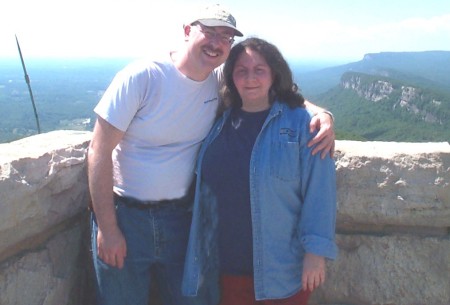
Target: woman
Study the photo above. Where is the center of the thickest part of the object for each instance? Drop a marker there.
(265, 207)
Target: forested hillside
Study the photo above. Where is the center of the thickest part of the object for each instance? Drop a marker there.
(386, 96)
(401, 113)
(65, 93)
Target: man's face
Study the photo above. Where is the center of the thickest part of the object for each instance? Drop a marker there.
(210, 45)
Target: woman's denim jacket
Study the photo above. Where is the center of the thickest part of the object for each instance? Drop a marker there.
(293, 204)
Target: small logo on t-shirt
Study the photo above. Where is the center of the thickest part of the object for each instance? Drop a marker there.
(211, 100)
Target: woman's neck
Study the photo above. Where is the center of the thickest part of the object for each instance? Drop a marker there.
(255, 106)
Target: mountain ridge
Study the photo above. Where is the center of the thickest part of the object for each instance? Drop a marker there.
(428, 67)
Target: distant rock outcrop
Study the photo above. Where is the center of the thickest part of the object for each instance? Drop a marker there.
(417, 101)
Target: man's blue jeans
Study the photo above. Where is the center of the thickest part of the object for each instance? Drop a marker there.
(156, 244)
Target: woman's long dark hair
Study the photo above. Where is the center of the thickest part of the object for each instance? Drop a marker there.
(283, 88)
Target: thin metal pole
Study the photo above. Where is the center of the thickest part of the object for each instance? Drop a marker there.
(27, 79)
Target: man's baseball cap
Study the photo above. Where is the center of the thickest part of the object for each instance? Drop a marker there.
(215, 15)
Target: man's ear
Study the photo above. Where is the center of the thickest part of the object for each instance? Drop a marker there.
(187, 31)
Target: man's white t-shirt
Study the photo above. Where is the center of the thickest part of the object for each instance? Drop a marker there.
(165, 117)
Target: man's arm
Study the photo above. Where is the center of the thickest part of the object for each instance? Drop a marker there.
(323, 121)
(111, 244)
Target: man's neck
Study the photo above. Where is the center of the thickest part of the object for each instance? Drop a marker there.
(187, 67)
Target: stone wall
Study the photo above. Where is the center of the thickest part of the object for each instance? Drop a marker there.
(392, 229)
(43, 220)
(393, 225)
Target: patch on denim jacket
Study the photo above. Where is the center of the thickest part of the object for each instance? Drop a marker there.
(288, 131)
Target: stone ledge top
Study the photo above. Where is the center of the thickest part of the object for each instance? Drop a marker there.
(390, 149)
(41, 144)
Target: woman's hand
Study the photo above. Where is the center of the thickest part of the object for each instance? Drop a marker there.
(313, 271)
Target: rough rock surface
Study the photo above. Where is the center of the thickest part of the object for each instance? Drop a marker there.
(43, 200)
(389, 269)
(392, 225)
(393, 184)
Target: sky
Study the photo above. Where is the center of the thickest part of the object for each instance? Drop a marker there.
(316, 30)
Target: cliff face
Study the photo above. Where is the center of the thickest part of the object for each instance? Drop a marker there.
(392, 225)
(415, 100)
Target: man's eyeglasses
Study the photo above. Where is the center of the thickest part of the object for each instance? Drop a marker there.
(210, 34)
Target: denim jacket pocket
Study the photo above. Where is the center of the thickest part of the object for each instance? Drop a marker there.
(285, 162)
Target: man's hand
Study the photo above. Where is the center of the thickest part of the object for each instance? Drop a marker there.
(111, 247)
(313, 271)
(325, 137)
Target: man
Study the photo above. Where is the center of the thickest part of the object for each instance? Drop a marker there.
(151, 122)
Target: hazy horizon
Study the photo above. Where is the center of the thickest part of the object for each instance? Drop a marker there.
(14, 60)
(314, 30)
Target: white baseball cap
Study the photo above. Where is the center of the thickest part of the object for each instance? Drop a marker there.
(215, 15)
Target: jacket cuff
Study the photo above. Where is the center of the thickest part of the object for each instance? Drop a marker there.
(320, 246)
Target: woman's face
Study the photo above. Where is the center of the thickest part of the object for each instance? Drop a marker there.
(252, 77)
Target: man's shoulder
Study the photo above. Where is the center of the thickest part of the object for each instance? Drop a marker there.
(148, 64)
(298, 116)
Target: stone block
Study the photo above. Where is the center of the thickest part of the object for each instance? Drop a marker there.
(43, 183)
(389, 270)
(384, 184)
